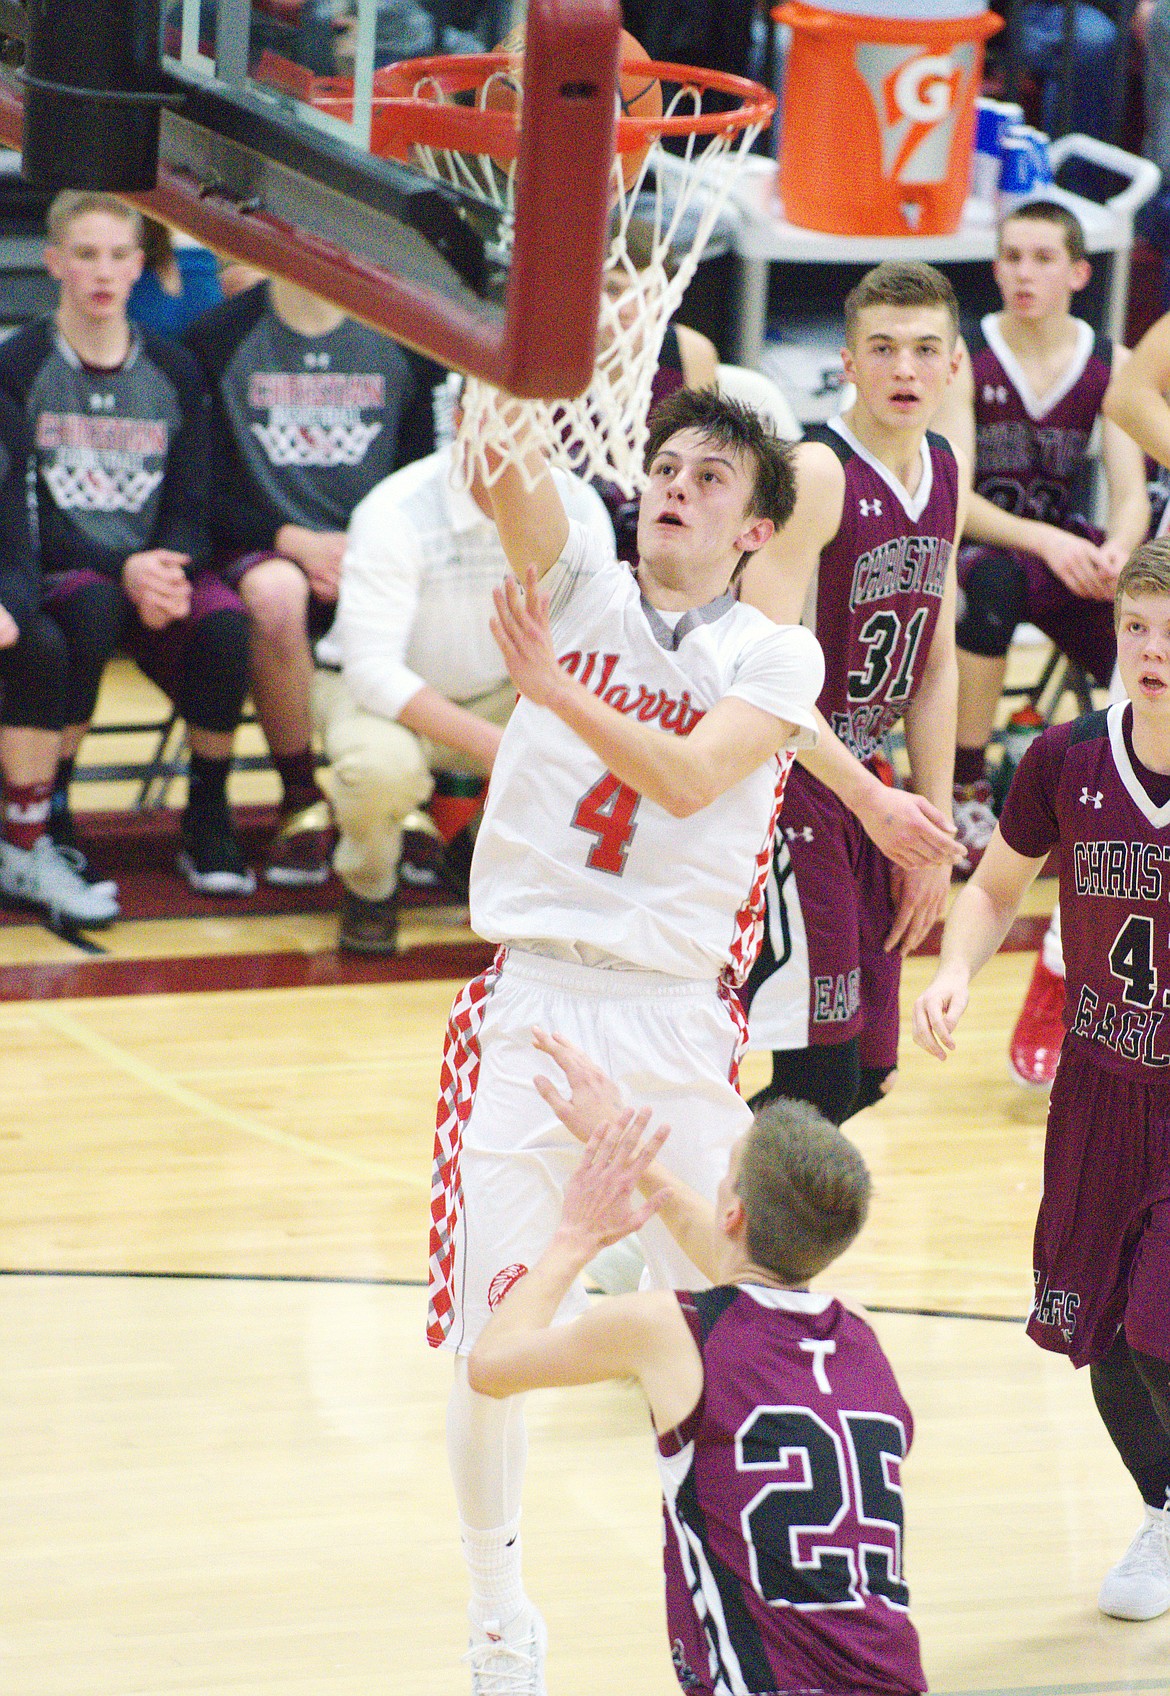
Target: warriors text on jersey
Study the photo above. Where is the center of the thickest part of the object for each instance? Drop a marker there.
(879, 584)
(783, 1504)
(569, 857)
(1029, 449)
(1080, 785)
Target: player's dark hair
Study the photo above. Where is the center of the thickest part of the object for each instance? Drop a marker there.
(901, 282)
(1048, 212)
(75, 203)
(804, 1187)
(739, 429)
(1145, 572)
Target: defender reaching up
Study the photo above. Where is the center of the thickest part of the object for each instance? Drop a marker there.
(620, 862)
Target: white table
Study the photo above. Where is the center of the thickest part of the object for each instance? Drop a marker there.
(763, 237)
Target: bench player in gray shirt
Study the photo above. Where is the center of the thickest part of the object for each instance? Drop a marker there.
(309, 410)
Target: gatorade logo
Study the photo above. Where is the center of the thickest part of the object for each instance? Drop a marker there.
(916, 98)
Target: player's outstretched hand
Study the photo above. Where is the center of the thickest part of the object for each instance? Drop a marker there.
(521, 629)
(593, 1099)
(921, 901)
(939, 1009)
(909, 829)
(600, 1206)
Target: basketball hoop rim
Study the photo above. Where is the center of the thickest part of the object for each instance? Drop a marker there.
(467, 129)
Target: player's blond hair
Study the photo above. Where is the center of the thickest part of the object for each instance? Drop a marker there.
(901, 282)
(1145, 572)
(804, 1187)
(74, 203)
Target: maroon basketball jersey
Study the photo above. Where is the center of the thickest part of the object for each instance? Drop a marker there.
(1078, 785)
(1030, 449)
(783, 1504)
(879, 585)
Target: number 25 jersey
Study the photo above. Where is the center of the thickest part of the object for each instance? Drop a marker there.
(782, 1499)
(570, 861)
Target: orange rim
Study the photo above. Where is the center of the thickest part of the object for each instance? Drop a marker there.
(404, 116)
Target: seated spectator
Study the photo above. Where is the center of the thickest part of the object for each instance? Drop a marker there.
(118, 419)
(411, 680)
(179, 280)
(309, 410)
(34, 670)
(1031, 404)
(1091, 76)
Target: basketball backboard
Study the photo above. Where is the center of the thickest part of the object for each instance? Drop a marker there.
(273, 149)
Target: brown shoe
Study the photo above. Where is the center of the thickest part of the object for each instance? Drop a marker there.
(299, 854)
(369, 927)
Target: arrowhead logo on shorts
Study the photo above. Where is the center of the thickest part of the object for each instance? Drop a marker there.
(503, 1281)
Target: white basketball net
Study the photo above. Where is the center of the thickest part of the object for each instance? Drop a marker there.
(603, 432)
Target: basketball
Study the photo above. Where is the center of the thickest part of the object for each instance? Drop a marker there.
(639, 91)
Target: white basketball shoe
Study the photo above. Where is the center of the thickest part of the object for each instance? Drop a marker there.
(1138, 1587)
(508, 1660)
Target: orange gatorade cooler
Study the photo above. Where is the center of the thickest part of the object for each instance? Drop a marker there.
(879, 113)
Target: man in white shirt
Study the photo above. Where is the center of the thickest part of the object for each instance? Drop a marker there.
(409, 679)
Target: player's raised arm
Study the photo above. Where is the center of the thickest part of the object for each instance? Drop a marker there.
(1136, 397)
(529, 513)
(978, 923)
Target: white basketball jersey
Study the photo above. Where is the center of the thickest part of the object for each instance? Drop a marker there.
(571, 860)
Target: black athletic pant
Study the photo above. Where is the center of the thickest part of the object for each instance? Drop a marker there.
(1132, 1393)
(829, 1075)
(34, 677)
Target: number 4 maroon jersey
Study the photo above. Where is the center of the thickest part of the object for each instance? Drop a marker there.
(879, 585)
(783, 1504)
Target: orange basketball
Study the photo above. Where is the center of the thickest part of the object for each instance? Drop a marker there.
(639, 91)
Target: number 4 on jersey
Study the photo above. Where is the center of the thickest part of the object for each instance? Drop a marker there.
(607, 812)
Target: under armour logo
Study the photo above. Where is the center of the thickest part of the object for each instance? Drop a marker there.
(801, 834)
(101, 403)
(317, 361)
(1093, 800)
(870, 508)
(995, 393)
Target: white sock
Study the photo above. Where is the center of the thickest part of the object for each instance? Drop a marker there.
(1052, 953)
(493, 1566)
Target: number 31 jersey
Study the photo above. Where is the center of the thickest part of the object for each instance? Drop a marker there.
(783, 1504)
(879, 585)
(570, 861)
(1080, 785)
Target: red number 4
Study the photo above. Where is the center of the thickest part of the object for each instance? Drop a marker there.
(607, 812)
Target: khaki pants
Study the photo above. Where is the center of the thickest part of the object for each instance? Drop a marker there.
(378, 773)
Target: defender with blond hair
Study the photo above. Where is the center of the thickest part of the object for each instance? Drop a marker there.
(781, 1429)
(860, 869)
(1098, 789)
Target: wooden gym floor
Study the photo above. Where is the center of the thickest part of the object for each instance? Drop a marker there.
(221, 1446)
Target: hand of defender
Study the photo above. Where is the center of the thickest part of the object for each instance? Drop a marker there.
(1078, 563)
(909, 829)
(157, 584)
(921, 897)
(522, 631)
(939, 1009)
(593, 1099)
(599, 1206)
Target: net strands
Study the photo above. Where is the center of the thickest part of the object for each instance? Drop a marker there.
(456, 118)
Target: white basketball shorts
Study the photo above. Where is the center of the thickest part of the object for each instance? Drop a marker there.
(502, 1159)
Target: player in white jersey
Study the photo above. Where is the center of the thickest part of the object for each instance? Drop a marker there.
(620, 864)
